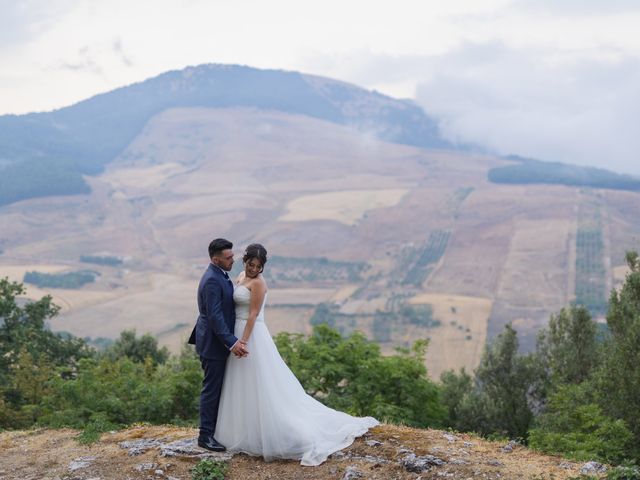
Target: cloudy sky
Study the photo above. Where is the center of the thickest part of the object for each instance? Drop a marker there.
(550, 79)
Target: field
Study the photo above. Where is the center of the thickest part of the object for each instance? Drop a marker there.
(343, 206)
(359, 224)
(459, 341)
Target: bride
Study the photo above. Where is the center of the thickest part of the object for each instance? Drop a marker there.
(263, 408)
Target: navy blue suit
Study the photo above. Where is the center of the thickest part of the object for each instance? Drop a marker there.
(213, 336)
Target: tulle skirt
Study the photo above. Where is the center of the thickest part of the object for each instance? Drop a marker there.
(265, 411)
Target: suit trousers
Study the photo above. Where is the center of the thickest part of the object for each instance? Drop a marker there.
(210, 394)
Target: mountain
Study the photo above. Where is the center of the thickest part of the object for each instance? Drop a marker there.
(399, 241)
(44, 154)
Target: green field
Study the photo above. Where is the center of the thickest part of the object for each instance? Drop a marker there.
(590, 272)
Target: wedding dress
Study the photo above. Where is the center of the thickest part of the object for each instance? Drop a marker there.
(265, 411)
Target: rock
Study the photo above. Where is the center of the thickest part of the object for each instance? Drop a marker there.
(373, 443)
(590, 468)
(339, 455)
(137, 447)
(143, 467)
(188, 447)
(159, 472)
(352, 472)
(495, 463)
(565, 465)
(508, 448)
(403, 451)
(82, 462)
(413, 463)
(373, 459)
(450, 438)
(468, 444)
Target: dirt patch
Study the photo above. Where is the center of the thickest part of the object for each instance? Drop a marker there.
(379, 455)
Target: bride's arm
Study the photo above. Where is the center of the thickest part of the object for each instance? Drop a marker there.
(258, 290)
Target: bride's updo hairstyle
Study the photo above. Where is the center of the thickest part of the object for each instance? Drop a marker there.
(257, 251)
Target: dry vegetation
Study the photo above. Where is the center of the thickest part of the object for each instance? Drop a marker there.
(47, 454)
(459, 341)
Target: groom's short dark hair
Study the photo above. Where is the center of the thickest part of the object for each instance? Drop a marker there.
(218, 245)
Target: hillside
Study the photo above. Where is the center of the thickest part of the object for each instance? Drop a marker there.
(167, 452)
(45, 154)
(397, 241)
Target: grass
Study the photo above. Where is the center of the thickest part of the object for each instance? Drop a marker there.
(209, 469)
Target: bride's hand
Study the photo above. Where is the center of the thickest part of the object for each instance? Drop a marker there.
(240, 349)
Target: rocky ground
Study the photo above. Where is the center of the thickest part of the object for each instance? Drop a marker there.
(166, 452)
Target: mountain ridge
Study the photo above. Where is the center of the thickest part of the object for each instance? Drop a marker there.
(82, 138)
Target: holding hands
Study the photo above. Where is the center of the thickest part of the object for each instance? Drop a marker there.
(240, 349)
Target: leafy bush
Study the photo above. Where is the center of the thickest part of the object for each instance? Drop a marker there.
(350, 374)
(209, 469)
(573, 425)
(93, 430)
(626, 471)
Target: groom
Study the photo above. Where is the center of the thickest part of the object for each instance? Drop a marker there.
(213, 336)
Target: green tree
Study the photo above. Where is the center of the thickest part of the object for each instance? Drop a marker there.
(138, 349)
(619, 377)
(568, 348)
(505, 387)
(574, 425)
(350, 374)
(509, 385)
(120, 391)
(124, 391)
(30, 353)
(456, 390)
(25, 326)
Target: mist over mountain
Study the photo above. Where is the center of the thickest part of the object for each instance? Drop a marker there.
(44, 154)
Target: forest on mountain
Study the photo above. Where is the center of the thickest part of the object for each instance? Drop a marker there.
(529, 171)
(577, 394)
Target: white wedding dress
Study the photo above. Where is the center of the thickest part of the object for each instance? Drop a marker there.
(265, 411)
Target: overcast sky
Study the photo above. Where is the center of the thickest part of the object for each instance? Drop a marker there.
(550, 79)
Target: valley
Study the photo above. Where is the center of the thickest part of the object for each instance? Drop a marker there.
(361, 228)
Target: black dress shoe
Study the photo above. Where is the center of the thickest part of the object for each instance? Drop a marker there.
(211, 444)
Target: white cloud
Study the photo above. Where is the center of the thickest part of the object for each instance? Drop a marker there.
(545, 78)
(514, 101)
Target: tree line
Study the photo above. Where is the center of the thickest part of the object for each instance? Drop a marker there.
(577, 394)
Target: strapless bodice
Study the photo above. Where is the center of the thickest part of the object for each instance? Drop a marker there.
(242, 296)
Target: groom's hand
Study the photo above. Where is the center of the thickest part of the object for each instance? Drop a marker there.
(240, 349)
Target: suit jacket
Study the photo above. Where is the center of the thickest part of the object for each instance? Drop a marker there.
(213, 334)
